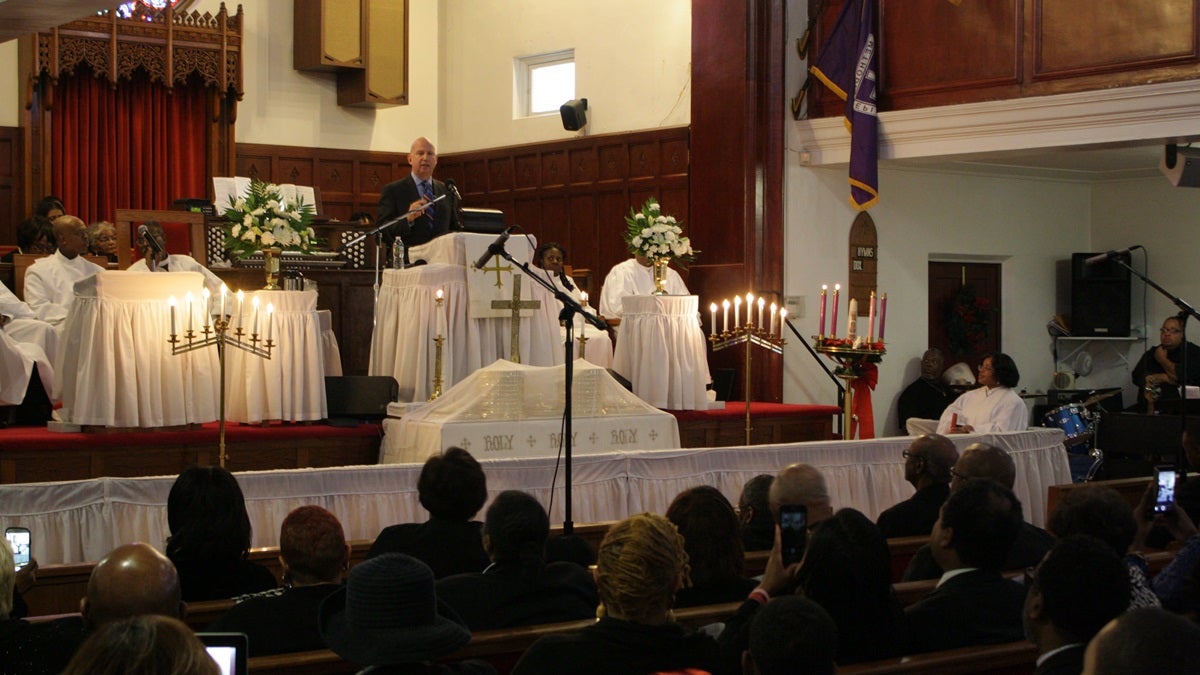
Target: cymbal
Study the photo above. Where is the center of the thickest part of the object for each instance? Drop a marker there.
(1093, 400)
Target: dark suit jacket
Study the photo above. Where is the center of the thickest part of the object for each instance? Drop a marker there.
(1027, 551)
(501, 597)
(447, 546)
(974, 608)
(394, 200)
(915, 515)
(1067, 662)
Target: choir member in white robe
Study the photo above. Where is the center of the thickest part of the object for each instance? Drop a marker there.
(634, 277)
(19, 322)
(50, 281)
(992, 407)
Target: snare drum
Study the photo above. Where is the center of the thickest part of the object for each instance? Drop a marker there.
(1073, 419)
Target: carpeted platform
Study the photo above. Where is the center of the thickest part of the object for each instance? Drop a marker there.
(770, 423)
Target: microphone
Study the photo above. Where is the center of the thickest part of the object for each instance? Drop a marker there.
(1110, 255)
(151, 240)
(450, 185)
(492, 249)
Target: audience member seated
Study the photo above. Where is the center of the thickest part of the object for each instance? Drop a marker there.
(801, 484)
(713, 542)
(102, 240)
(635, 276)
(1156, 376)
(519, 588)
(1103, 513)
(26, 647)
(452, 488)
(172, 262)
(19, 322)
(640, 566)
(388, 617)
(754, 513)
(1178, 584)
(1144, 641)
(928, 396)
(973, 604)
(50, 281)
(50, 208)
(34, 235)
(980, 460)
(994, 406)
(314, 555)
(210, 536)
(143, 645)
(1079, 586)
(927, 464)
(1187, 493)
(550, 256)
(791, 635)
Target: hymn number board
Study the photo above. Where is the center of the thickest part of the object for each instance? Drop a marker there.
(864, 261)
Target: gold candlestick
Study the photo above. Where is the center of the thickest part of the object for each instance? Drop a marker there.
(437, 368)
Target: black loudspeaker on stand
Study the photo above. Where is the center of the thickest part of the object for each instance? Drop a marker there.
(1100, 297)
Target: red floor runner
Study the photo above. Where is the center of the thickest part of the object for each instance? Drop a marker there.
(735, 409)
(38, 438)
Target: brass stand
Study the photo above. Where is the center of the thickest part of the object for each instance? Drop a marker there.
(438, 342)
(751, 335)
(850, 361)
(218, 334)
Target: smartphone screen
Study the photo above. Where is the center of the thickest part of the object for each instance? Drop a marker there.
(19, 541)
(793, 531)
(1165, 497)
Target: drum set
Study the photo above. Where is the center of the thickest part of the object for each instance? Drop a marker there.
(1078, 421)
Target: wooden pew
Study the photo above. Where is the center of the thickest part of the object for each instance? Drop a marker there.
(1010, 658)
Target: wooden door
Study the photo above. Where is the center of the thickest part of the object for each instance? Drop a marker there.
(964, 310)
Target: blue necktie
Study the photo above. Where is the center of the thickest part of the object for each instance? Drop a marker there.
(426, 189)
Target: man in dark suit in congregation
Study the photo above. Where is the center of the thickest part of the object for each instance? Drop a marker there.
(927, 464)
(413, 192)
(973, 604)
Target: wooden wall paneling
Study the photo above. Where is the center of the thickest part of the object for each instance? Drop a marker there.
(1120, 34)
(474, 178)
(372, 176)
(528, 170)
(582, 236)
(555, 169)
(295, 169)
(501, 173)
(584, 165)
(12, 203)
(614, 162)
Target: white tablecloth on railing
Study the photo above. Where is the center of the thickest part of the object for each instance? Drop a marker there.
(406, 323)
(291, 384)
(662, 351)
(82, 520)
(115, 368)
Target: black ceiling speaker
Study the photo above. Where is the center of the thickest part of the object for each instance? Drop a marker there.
(574, 114)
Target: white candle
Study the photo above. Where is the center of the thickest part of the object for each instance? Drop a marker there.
(871, 318)
(204, 297)
(270, 324)
(782, 319)
(852, 319)
(241, 295)
(712, 327)
(224, 292)
(737, 312)
(171, 302)
(761, 303)
(254, 302)
(188, 298)
(774, 313)
(725, 321)
(583, 298)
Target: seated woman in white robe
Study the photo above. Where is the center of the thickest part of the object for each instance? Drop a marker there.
(634, 277)
(992, 407)
(551, 257)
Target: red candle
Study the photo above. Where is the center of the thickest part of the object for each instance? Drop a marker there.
(833, 324)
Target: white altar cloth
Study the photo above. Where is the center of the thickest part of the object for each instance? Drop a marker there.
(114, 365)
(513, 410)
(78, 521)
(291, 384)
(662, 351)
(406, 322)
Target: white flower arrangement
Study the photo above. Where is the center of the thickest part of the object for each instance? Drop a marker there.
(654, 235)
(263, 219)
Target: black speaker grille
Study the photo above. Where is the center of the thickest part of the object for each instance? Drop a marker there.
(1100, 298)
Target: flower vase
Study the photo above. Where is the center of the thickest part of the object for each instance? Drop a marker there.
(660, 275)
(271, 261)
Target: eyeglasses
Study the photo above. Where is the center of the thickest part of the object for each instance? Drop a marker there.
(906, 454)
(1169, 331)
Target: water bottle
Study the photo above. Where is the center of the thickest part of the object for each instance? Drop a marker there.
(397, 254)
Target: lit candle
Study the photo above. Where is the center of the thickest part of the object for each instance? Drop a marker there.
(725, 322)
(270, 324)
(782, 319)
(254, 302)
(204, 297)
(171, 302)
(821, 321)
(241, 295)
(224, 292)
(188, 298)
(882, 314)
(774, 314)
(837, 288)
(583, 298)
(440, 299)
(871, 318)
(712, 327)
(749, 308)
(737, 311)
(852, 319)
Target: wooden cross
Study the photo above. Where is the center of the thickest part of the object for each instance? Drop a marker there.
(498, 268)
(516, 305)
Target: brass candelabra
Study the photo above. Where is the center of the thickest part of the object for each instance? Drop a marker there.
(752, 336)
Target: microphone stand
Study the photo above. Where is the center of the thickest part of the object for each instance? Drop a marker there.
(569, 310)
(378, 234)
(1185, 311)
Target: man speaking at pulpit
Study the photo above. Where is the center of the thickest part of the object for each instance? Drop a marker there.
(418, 189)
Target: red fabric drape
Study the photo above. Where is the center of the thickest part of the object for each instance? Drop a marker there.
(863, 425)
(139, 146)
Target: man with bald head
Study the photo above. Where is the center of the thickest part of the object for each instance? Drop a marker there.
(414, 191)
(1144, 642)
(981, 460)
(132, 579)
(50, 281)
(801, 484)
(927, 464)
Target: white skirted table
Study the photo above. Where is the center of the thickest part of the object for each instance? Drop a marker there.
(290, 385)
(114, 365)
(78, 521)
(406, 322)
(662, 351)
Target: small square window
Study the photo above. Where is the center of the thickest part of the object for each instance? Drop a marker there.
(544, 82)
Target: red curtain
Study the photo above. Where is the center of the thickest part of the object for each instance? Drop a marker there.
(139, 146)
